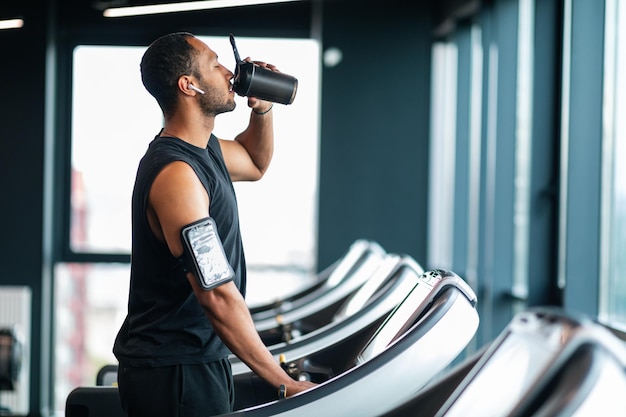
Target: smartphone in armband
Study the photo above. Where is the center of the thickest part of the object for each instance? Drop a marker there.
(204, 254)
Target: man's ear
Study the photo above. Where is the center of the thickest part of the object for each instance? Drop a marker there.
(185, 84)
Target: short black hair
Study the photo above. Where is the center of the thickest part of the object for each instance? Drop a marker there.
(165, 60)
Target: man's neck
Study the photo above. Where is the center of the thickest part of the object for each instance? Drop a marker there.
(194, 130)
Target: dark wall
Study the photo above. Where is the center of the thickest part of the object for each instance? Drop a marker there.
(22, 86)
(375, 124)
(22, 79)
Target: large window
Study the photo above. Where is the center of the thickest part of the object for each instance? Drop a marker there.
(113, 121)
(491, 157)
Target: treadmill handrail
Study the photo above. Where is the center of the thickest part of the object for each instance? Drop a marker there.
(360, 273)
(369, 289)
(342, 395)
(340, 272)
(431, 285)
(561, 342)
(324, 336)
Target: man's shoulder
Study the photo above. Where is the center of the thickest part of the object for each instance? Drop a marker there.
(163, 151)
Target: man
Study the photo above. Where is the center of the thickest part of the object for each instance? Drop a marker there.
(173, 346)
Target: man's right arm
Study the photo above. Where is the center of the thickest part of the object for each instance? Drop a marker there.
(178, 198)
(231, 320)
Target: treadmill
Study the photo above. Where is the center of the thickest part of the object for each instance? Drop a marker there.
(326, 280)
(317, 308)
(546, 363)
(420, 337)
(418, 340)
(358, 318)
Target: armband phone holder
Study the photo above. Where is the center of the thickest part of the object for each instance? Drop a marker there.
(204, 254)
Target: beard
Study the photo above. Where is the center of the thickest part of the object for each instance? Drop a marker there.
(215, 102)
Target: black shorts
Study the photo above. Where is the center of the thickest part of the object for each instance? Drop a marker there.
(178, 390)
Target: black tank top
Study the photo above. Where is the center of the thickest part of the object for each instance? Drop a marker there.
(165, 324)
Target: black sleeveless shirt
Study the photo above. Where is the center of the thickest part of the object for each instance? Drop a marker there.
(165, 324)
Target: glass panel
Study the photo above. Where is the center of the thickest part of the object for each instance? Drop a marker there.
(113, 118)
(89, 308)
(110, 134)
(442, 150)
(613, 305)
(525, 40)
(474, 155)
(15, 345)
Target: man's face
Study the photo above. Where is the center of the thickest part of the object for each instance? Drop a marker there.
(214, 79)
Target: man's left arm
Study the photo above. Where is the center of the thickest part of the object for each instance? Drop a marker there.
(249, 155)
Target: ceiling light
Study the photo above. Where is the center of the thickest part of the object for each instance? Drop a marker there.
(11, 23)
(183, 7)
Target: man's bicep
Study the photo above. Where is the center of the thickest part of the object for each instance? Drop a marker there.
(238, 162)
(177, 198)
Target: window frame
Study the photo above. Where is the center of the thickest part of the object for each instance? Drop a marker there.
(581, 159)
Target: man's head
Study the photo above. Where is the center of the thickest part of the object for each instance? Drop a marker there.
(166, 59)
(181, 54)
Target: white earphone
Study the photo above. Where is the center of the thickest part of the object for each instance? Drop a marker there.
(194, 88)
